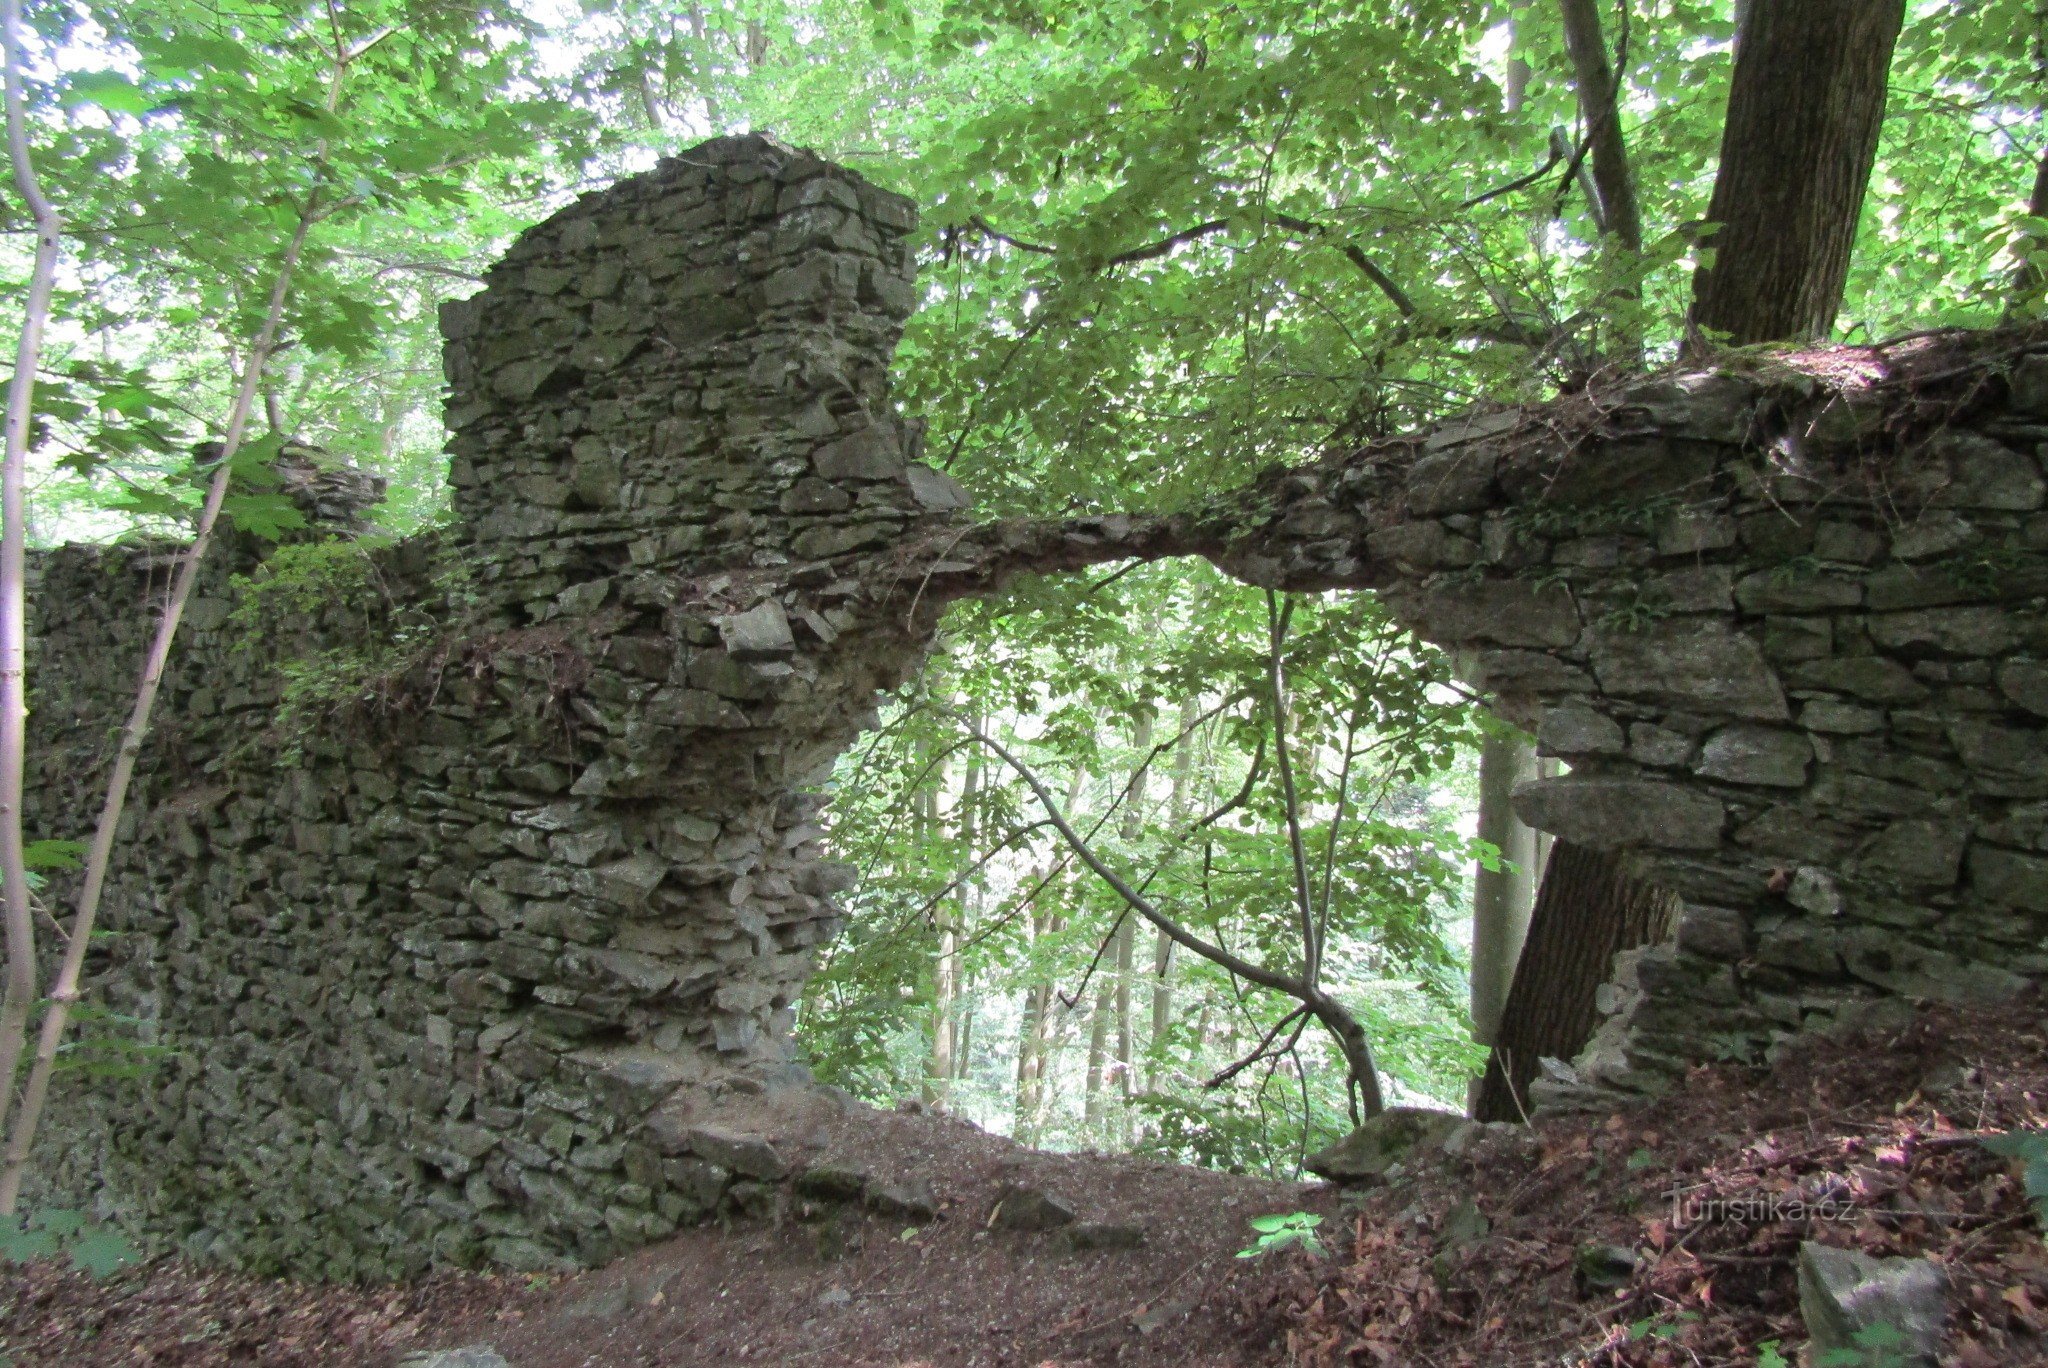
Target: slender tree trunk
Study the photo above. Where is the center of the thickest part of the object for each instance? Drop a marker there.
(1500, 897)
(19, 1000)
(1035, 1036)
(2028, 277)
(695, 17)
(938, 1063)
(951, 917)
(1162, 944)
(1515, 93)
(1600, 106)
(1127, 931)
(1587, 912)
(64, 988)
(1099, 1017)
(1126, 1029)
(1804, 112)
(1031, 1033)
(1547, 767)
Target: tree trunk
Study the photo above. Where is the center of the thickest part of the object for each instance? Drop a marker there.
(1515, 91)
(1501, 897)
(1587, 912)
(924, 832)
(1804, 112)
(938, 1069)
(1600, 106)
(1547, 767)
(18, 1004)
(2028, 278)
(1031, 1033)
(1098, 1045)
(1162, 944)
(1127, 932)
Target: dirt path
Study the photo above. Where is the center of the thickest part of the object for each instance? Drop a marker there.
(825, 1281)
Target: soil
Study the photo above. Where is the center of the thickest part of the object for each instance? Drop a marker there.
(815, 1283)
(1867, 1142)
(1877, 1132)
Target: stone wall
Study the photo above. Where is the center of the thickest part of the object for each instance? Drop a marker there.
(486, 964)
(429, 964)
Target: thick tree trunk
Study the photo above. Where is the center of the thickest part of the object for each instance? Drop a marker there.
(1796, 152)
(1587, 912)
(1501, 897)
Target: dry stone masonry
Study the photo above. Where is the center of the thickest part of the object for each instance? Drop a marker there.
(484, 967)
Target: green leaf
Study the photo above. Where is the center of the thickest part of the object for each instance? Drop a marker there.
(51, 854)
(60, 1221)
(268, 516)
(19, 1245)
(103, 1251)
(108, 90)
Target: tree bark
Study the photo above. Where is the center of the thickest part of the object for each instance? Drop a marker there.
(1600, 106)
(2027, 276)
(1127, 932)
(1098, 1045)
(1031, 1033)
(1804, 113)
(950, 915)
(1501, 897)
(1034, 1040)
(19, 1001)
(1162, 944)
(1515, 92)
(1587, 912)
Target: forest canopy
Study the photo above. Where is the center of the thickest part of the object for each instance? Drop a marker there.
(1164, 245)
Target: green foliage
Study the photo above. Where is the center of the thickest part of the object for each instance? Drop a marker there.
(1874, 1346)
(92, 1247)
(2030, 1147)
(1984, 570)
(307, 595)
(49, 854)
(1164, 246)
(183, 148)
(1063, 672)
(1661, 1328)
(1634, 610)
(107, 1044)
(1291, 1230)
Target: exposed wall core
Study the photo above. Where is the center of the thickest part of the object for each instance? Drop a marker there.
(475, 973)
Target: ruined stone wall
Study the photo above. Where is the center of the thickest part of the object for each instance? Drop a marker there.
(1789, 628)
(486, 966)
(428, 963)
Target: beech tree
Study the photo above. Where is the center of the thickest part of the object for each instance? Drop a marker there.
(1804, 114)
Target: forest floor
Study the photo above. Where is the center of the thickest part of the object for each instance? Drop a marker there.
(1484, 1261)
